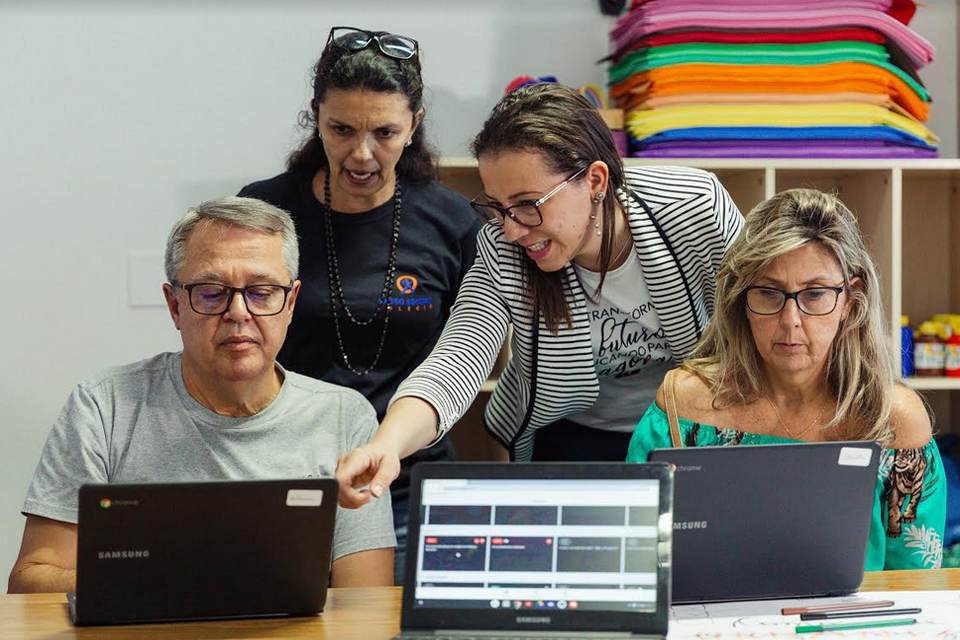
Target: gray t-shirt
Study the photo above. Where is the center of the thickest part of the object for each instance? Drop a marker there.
(138, 423)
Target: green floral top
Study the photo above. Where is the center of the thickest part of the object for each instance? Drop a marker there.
(909, 508)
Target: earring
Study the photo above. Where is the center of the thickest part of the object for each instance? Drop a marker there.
(597, 199)
(408, 142)
(596, 222)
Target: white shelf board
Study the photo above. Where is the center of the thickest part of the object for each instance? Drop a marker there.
(933, 384)
(816, 164)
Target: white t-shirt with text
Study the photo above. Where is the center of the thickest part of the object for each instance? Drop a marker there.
(630, 348)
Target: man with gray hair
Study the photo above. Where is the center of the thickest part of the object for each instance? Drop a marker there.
(220, 409)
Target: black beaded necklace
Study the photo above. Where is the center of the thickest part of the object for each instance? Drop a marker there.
(336, 285)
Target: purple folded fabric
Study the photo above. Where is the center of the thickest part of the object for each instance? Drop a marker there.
(647, 20)
(782, 149)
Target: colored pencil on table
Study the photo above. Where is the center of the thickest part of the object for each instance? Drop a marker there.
(846, 606)
(856, 614)
(807, 628)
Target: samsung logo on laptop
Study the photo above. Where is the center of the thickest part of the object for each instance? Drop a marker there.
(689, 468)
(692, 524)
(533, 620)
(123, 554)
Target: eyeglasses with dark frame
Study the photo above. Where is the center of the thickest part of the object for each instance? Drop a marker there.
(390, 44)
(814, 301)
(213, 298)
(525, 214)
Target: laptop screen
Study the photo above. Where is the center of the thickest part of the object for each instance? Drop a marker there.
(538, 543)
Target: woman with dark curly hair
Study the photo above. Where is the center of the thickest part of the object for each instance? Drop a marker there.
(383, 245)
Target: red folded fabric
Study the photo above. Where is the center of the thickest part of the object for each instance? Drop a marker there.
(903, 10)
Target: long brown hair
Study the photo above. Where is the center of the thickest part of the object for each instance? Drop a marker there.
(860, 367)
(558, 123)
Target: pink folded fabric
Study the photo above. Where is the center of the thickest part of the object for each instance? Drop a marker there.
(648, 19)
(746, 6)
(901, 10)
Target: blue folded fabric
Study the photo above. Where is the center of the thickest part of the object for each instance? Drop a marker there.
(877, 132)
(782, 149)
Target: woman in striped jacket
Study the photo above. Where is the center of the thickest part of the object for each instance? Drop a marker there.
(606, 276)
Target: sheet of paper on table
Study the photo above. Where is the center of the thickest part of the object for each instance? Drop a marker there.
(757, 619)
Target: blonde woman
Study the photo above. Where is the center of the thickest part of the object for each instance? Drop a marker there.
(797, 351)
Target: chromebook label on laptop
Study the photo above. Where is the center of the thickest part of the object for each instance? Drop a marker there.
(304, 497)
(854, 457)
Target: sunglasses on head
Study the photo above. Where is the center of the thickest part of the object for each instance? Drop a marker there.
(390, 44)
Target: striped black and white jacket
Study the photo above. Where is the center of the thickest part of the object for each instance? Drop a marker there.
(682, 220)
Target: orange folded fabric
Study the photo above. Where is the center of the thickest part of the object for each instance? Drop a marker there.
(834, 77)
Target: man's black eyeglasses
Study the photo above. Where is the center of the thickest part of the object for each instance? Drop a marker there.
(213, 299)
(391, 44)
(815, 301)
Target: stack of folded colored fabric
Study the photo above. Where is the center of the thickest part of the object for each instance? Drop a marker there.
(780, 78)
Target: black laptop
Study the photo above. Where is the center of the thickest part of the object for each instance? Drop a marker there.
(770, 521)
(192, 551)
(556, 549)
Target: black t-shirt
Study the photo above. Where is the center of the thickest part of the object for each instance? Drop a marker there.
(436, 248)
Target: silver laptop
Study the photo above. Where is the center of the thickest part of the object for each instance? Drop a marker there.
(770, 521)
(558, 550)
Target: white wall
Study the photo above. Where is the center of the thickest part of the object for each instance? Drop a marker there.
(116, 116)
(936, 21)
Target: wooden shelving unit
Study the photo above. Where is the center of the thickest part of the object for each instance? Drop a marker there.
(933, 384)
(908, 210)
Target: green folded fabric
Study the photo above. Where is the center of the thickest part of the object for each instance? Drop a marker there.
(757, 54)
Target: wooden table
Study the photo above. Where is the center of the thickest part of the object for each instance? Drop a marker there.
(942, 580)
(351, 614)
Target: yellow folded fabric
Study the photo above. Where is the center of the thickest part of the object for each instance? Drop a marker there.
(706, 99)
(645, 123)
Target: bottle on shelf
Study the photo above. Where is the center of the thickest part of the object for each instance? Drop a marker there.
(906, 347)
(928, 352)
(951, 356)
